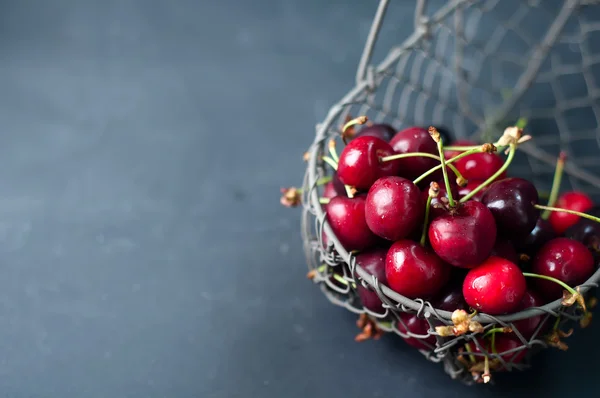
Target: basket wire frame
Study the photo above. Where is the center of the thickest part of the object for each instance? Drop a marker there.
(474, 67)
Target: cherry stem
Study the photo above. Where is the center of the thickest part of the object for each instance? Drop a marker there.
(509, 159)
(330, 162)
(440, 147)
(577, 213)
(558, 172)
(342, 280)
(494, 331)
(422, 154)
(448, 162)
(324, 201)
(359, 120)
(426, 221)
(349, 191)
(551, 279)
(332, 151)
(471, 356)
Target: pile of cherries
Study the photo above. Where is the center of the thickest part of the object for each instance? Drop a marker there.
(448, 225)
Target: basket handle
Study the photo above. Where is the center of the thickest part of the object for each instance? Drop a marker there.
(363, 65)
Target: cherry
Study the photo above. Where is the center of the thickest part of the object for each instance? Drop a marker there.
(464, 236)
(418, 326)
(451, 299)
(435, 209)
(538, 237)
(528, 326)
(372, 261)
(338, 185)
(414, 139)
(495, 287)
(502, 342)
(413, 271)
(504, 248)
(329, 190)
(471, 185)
(449, 154)
(346, 217)
(572, 200)
(382, 131)
(587, 232)
(512, 202)
(564, 259)
(393, 207)
(480, 166)
(360, 164)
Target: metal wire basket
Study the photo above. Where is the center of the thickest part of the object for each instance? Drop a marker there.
(473, 67)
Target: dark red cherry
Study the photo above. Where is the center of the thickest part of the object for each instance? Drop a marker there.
(465, 236)
(338, 185)
(528, 326)
(564, 259)
(417, 326)
(471, 185)
(538, 237)
(436, 202)
(414, 139)
(480, 166)
(495, 287)
(451, 299)
(393, 207)
(512, 202)
(577, 201)
(346, 218)
(414, 271)
(360, 162)
(505, 249)
(372, 261)
(382, 131)
(587, 232)
(450, 154)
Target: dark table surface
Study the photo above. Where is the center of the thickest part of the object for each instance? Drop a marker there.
(143, 249)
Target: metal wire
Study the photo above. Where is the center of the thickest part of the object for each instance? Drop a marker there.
(474, 67)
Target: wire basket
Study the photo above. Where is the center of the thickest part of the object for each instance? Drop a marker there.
(473, 67)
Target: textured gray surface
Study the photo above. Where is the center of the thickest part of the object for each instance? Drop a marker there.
(143, 251)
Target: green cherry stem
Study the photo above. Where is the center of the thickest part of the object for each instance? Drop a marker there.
(324, 201)
(421, 154)
(332, 150)
(558, 172)
(497, 330)
(577, 213)
(509, 158)
(357, 121)
(551, 279)
(330, 162)
(440, 145)
(448, 162)
(426, 220)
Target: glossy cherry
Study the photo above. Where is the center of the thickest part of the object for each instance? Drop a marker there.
(572, 200)
(587, 232)
(512, 202)
(372, 261)
(538, 237)
(465, 236)
(346, 217)
(528, 326)
(414, 139)
(450, 154)
(451, 299)
(495, 287)
(414, 271)
(418, 326)
(393, 207)
(564, 259)
(382, 131)
(471, 185)
(504, 248)
(360, 162)
(480, 166)
(436, 202)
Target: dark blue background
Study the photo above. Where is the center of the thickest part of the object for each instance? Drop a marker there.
(143, 251)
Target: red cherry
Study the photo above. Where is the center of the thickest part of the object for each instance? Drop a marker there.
(538, 237)
(418, 326)
(495, 287)
(338, 185)
(413, 271)
(372, 261)
(435, 211)
(382, 131)
(502, 342)
(414, 139)
(329, 190)
(393, 207)
(360, 162)
(564, 259)
(577, 201)
(346, 217)
(465, 236)
(471, 185)
(528, 326)
(450, 154)
(504, 248)
(480, 166)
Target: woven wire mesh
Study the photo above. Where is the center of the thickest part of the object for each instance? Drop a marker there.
(473, 67)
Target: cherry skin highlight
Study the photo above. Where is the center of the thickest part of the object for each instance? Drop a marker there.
(564, 259)
(414, 139)
(512, 202)
(495, 287)
(382, 131)
(346, 217)
(418, 326)
(393, 207)
(465, 236)
(577, 201)
(372, 261)
(480, 166)
(413, 271)
(360, 162)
